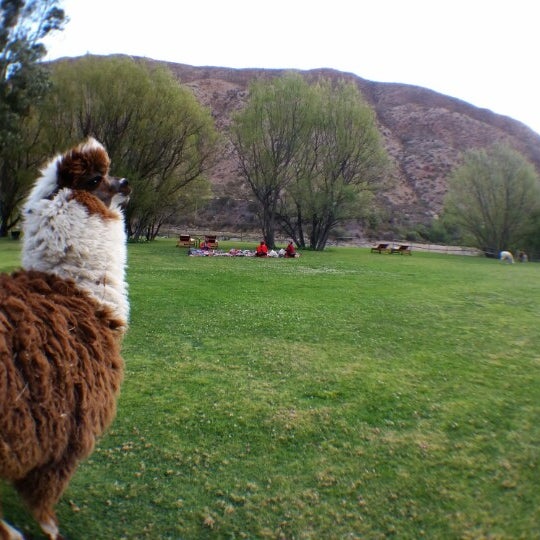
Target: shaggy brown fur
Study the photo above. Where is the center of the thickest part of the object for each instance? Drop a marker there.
(60, 373)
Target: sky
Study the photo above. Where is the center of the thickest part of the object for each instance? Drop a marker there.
(485, 52)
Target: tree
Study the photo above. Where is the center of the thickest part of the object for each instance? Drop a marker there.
(156, 133)
(341, 165)
(23, 83)
(267, 135)
(311, 155)
(492, 196)
(531, 240)
(18, 164)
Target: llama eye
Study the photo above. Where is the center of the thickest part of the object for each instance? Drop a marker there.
(93, 182)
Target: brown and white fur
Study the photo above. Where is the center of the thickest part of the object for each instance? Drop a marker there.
(62, 319)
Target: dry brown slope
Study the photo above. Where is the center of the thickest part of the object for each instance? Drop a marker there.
(425, 132)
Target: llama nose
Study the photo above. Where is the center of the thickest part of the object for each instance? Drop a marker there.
(124, 186)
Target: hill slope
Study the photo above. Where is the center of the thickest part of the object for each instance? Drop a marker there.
(424, 132)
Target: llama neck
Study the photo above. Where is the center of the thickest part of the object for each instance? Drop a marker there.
(62, 238)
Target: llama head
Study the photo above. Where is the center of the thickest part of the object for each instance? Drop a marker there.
(73, 225)
(84, 170)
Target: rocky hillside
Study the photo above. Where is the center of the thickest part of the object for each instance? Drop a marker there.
(424, 133)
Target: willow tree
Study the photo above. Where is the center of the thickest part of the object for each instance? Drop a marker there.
(311, 154)
(343, 164)
(154, 129)
(493, 197)
(268, 134)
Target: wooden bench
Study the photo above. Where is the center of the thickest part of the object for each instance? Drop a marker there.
(379, 248)
(185, 240)
(211, 241)
(402, 249)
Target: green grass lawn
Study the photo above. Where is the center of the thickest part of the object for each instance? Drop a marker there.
(340, 395)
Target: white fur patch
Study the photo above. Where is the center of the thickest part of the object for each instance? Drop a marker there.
(46, 184)
(62, 238)
(506, 256)
(91, 144)
(13, 534)
(50, 529)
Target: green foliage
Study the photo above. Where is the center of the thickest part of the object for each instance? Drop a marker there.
(531, 240)
(311, 154)
(343, 394)
(345, 160)
(23, 83)
(493, 196)
(268, 134)
(23, 26)
(19, 161)
(155, 131)
(440, 231)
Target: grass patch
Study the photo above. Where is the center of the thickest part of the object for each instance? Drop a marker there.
(339, 395)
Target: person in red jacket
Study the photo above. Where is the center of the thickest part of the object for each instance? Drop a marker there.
(289, 250)
(262, 250)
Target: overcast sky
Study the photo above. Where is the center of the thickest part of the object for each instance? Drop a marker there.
(485, 52)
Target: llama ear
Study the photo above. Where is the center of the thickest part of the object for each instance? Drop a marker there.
(70, 166)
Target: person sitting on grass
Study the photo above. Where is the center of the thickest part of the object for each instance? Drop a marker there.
(290, 252)
(262, 250)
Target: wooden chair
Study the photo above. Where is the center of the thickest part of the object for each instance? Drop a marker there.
(381, 248)
(211, 241)
(185, 240)
(402, 249)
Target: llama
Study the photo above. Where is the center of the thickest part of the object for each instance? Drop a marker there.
(62, 319)
(506, 256)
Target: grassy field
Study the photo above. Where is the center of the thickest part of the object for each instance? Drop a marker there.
(340, 395)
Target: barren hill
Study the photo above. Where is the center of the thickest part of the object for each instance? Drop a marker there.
(424, 132)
